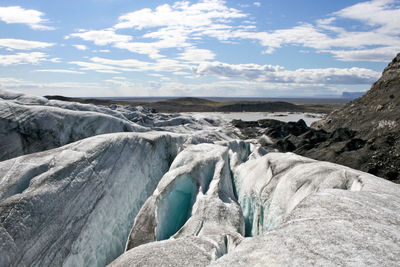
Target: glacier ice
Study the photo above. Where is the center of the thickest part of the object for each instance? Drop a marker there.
(198, 177)
(174, 210)
(29, 128)
(319, 211)
(335, 217)
(31, 124)
(81, 200)
(195, 202)
(183, 192)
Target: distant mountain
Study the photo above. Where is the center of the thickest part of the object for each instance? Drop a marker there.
(352, 95)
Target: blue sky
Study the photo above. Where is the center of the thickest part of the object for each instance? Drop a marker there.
(259, 48)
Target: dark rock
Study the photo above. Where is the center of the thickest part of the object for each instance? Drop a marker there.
(355, 144)
(285, 145)
(341, 134)
(392, 175)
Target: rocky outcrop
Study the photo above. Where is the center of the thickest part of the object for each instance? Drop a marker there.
(342, 146)
(375, 113)
(375, 118)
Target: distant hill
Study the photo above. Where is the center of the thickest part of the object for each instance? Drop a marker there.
(195, 104)
(352, 95)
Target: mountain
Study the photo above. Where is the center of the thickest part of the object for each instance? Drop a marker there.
(352, 95)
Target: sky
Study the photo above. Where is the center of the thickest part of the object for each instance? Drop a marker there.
(271, 48)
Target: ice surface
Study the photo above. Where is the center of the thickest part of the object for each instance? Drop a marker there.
(194, 198)
(289, 204)
(31, 128)
(188, 192)
(31, 124)
(81, 199)
(174, 210)
(331, 227)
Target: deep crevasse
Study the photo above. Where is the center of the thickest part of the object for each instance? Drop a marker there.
(249, 193)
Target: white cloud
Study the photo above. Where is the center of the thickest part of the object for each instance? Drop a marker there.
(61, 88)
(23, 58)
(60, 71)
(55, 60)
(120, 83)
(156, 75)
(167, 26)
(193, 54)
(101, 37)
(182, 73)
(150, 49)
(128, 65)
(278, 74)
(181, 14)
(122, 63)
(257, 4)
(384, 14)
(19, 44)
(80, 47)
(373, 55)
(30, 17)
(98, 67)
(375, 40)
(156, 88)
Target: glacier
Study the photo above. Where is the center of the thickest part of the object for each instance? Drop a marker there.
(289, 210)
(85, 185)
(74, 205)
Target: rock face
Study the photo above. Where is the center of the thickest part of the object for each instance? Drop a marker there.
(375, 113)
(375, 118)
